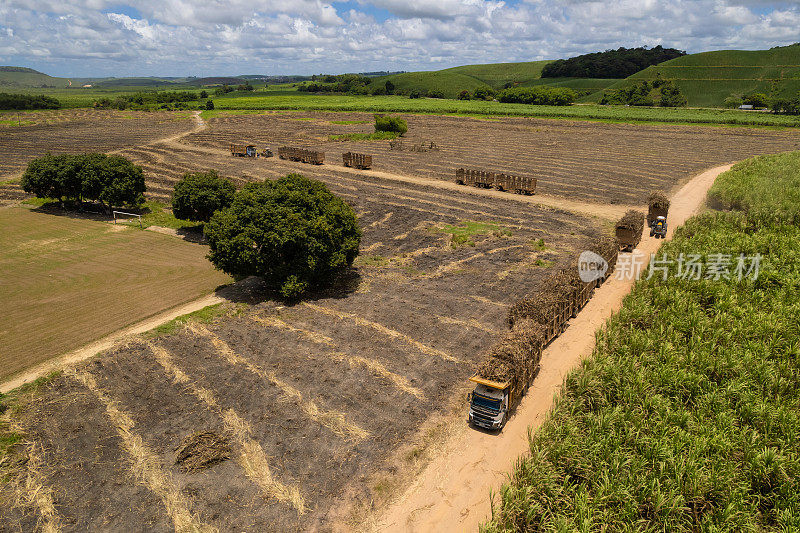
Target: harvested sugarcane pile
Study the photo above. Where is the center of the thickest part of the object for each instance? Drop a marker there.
(629, 230)
(496, 370)
(201, 450)
(658, 200)
(540, 307)
(521, 343)
(517, 356)
(607, 247)
(632, 220)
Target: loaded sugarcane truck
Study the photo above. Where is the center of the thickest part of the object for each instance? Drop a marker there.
(492, 401)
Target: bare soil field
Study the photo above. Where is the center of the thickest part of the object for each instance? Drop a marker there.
(315, 398)
(67, 281)
(598, 162)
(81, 130)
(326, 406)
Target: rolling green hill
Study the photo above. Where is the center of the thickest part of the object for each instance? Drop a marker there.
(452, 81)
(16, 77)
(709, 77)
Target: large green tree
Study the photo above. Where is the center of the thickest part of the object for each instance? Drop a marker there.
(109, 180)
(293, 232)
(198, 194)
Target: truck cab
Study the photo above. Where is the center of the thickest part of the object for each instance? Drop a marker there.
(488, 403)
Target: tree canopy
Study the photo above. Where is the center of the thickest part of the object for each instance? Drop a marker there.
(199, 194)
(619, 63)
(110, 180)
(28, 101)
(293, 232)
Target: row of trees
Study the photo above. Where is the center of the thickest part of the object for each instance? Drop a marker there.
(538, 95)
(784, 106)
(292, 232)
(346, 83)
(660, 92)
(152, 100)
(109, 180)
(28, 101)
(619, 63)
(225, 89)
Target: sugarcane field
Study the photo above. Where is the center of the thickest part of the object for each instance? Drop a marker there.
(231, 306)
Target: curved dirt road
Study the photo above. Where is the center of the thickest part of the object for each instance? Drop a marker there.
(452, 492)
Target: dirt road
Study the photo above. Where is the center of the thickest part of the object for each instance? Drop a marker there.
(607, 211)
(452, 493)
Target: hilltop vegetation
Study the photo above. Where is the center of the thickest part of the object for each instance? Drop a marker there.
(619, 63)
(708, 78)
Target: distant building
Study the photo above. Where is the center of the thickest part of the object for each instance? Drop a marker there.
(746, 106)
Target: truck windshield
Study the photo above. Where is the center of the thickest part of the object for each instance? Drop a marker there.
(483, 401)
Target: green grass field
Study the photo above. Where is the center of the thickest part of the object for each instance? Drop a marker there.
(709, 77)
(398, 104)
(69, 281)
(686, 417)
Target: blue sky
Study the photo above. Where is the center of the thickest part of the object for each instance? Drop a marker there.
(87, 38)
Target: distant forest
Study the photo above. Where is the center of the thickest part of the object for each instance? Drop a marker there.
(619, 63)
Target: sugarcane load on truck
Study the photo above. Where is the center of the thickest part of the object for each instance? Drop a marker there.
(535, 321)
(629, 230)
(658, 207)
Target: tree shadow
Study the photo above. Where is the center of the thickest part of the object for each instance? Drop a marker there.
(84, 211)
(254, 290)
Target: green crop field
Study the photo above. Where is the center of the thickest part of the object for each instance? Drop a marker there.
(709, 77)
(69, 281)
(686, 417)
(263, 100)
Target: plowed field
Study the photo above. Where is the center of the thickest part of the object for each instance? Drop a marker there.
(316, 398)
(80, 130)
(598, 162)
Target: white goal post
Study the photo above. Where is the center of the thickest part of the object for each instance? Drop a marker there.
(124, 214)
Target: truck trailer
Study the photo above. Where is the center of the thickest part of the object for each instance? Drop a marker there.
(243, 150)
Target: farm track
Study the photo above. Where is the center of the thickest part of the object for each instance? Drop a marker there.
(453, 491)
(620, 161)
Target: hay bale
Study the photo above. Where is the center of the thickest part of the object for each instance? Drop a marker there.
(658, 200)
(201, 450)
(632, 220)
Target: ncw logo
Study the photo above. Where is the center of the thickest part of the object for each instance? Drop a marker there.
(591, 266)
